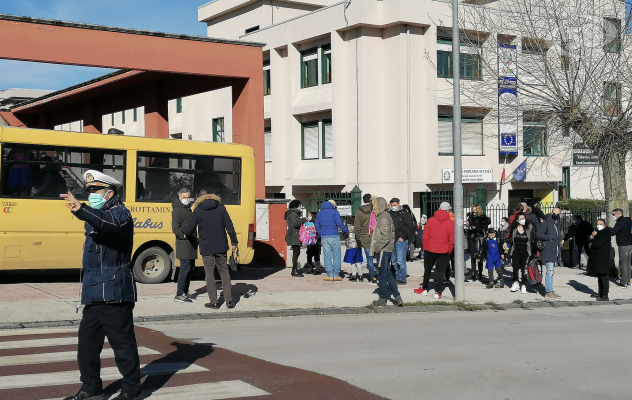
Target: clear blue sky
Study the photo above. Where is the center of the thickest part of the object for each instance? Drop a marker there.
(175, 16)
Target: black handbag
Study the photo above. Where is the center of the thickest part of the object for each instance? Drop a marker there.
(232, 262)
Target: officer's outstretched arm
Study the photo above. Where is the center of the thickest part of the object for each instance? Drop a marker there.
(102, 221)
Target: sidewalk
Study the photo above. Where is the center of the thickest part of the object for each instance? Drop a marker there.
(48, 296)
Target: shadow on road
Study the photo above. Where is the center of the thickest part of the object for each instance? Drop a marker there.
(184, 354)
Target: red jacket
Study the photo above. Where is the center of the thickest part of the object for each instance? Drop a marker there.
(439, 233)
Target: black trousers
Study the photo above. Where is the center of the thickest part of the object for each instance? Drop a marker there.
(604, 284)
(441, 260)
(187, 269)
(116, 322)
(519, 260)
(296, 251)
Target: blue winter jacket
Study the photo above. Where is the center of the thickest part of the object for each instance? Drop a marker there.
(328, 221)
(107, 253)
(549, 231)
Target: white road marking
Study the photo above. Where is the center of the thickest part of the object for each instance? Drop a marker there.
(45, 358)
(617, 321)
(24, 344)
(36, 331)
(107, 374)
(205, 391)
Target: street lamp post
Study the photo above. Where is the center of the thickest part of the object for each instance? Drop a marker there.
(459, 257)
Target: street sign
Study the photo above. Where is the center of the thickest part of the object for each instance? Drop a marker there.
(345, 211)
(469, 175)
(584, 157)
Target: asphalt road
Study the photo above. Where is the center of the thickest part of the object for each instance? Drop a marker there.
(564, 353)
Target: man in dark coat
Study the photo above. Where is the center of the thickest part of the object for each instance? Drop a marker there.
(361, 228)
(550, 232)
(212, 221)
(623, 231)
(186, 245)
(294, 220)
(600, 249)
(108, 291)
(579, 232)
(403, 235)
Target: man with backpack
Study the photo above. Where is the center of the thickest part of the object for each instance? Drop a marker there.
(363, 236)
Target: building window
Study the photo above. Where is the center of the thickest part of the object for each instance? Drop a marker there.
(252, 29)
(266, 78)
(326, 50)
(471, 136)
(112, 119)
(471, 66)
(532, 65)
(123, 116)
(179, 105)
(135, 115)
(267, 140)
(309, 141)
(612, 98)
(218, 130)
(533, 138)
(309, 68)
(565, 187)
(328, 139)
(612, 35)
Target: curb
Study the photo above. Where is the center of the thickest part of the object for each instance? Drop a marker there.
(320, 312)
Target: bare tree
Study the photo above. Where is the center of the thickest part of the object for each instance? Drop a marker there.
(564, 64)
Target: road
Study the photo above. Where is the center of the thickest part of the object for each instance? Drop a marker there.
(563, 353)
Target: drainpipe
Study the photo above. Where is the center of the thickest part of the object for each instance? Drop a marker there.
(409, 187)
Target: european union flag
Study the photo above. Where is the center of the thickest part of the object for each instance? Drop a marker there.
(520, 174)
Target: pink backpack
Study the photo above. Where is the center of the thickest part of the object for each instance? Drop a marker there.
(372, 222)
(307, 233)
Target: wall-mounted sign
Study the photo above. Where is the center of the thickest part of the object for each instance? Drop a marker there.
(507, 100)
(469, 175)
(584, 157)
(345, 211)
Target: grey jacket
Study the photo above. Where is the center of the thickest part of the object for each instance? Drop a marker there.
(383, 238)
(530, 235)
(350, 240)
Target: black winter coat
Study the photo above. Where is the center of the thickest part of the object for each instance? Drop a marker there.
(186, 248)
(213, 223)
(403, 225)
(478, 225)
(294, 222)
(600, 249)
(623, 231)
(549, 231)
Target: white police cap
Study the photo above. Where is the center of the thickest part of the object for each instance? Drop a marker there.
(99, 180)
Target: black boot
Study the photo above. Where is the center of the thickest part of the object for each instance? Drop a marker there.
(501, 278)
(296, 273)
(490, 274)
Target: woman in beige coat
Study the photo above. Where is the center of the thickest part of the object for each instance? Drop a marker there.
(382, 246)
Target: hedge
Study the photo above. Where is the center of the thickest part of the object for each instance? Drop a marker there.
(584, 204)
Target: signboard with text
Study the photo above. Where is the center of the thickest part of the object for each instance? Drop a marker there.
(469, 175)
(345, 211)
(584, 157)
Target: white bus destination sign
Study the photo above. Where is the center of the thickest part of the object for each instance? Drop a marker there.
(469, 175)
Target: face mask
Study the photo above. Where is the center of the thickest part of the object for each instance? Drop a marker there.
(555, 217)
(97, 200)
(504, 224)
(600, 227)
(186, 202)
(394, 209)
(522, 222)
(491, 237)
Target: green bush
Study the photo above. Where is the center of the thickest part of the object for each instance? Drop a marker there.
(584, 204)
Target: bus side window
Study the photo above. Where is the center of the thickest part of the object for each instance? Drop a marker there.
(47, 172)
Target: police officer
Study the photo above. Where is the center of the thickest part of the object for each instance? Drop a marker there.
(108, 290)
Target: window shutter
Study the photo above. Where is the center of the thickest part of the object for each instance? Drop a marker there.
(267, 140)
(310, 142)
(445, 137)
(328, 140)
(472, 138)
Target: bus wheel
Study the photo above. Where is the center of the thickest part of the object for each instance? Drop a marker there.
(152, 265)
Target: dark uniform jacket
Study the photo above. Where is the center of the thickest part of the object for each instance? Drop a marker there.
(186, 248)
(403, 225)
(107, 253)
(600, 249)
(623, 231)
(212, 221)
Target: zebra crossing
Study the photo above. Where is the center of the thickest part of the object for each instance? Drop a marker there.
(31, 367)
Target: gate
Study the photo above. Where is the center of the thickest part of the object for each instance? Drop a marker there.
(431, 200)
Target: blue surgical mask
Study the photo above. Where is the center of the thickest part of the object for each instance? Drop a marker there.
(394, 209)
(97, 200)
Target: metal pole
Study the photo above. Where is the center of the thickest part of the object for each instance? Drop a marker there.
(459, 262)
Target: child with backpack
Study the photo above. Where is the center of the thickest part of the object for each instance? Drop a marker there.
(494, 261)
(311, 239)
(353, 255)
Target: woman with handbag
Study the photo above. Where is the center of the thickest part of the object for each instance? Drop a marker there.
(477, 224)
(521, 241)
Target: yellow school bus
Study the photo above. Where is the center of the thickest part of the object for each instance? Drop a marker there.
(38, 232)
